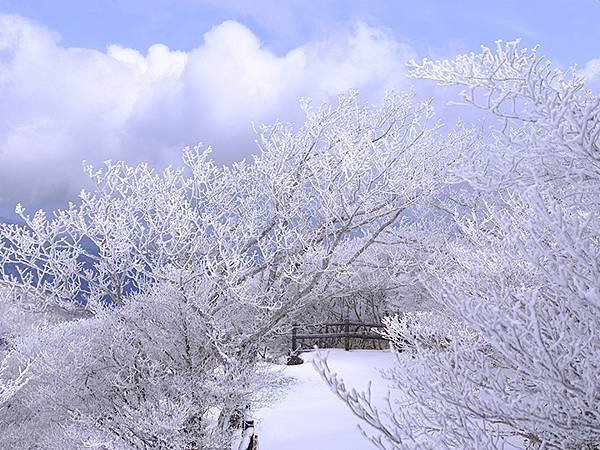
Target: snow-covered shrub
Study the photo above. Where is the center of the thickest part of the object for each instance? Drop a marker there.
(147, 375)
(416, 331)
(11, 381)
(10, 385)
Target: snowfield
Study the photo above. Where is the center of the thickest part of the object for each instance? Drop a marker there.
(309, 416)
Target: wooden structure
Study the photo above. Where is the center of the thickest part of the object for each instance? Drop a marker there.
(335, 331)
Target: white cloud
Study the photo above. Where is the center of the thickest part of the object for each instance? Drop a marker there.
(59, 106)
(591, 72)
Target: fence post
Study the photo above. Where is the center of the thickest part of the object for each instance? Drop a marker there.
(294, 340)
(347, 331)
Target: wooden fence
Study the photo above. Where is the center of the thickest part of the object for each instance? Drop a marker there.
(346, 330)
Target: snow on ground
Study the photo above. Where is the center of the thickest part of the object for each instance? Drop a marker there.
(309, 416)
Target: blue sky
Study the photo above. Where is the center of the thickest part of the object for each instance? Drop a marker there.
(140, 79)
(568, 29)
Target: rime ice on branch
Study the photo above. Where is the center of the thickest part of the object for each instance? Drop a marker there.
(177, 277)
(525, 286)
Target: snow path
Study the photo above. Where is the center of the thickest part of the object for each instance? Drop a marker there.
(309, 416)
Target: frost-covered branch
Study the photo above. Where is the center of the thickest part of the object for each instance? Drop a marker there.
(510, 357)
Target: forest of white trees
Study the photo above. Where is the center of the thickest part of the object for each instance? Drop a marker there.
(138, 316)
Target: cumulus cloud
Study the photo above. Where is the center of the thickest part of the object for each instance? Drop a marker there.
(60, 105)
(591, 73)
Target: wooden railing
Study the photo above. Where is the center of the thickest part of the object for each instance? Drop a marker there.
(346, 330)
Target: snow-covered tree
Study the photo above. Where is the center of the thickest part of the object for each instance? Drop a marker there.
(512, 358)
(178, 276)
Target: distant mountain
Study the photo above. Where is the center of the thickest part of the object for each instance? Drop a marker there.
(4, 219)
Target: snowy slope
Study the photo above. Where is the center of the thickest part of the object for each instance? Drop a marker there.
(309, 416)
